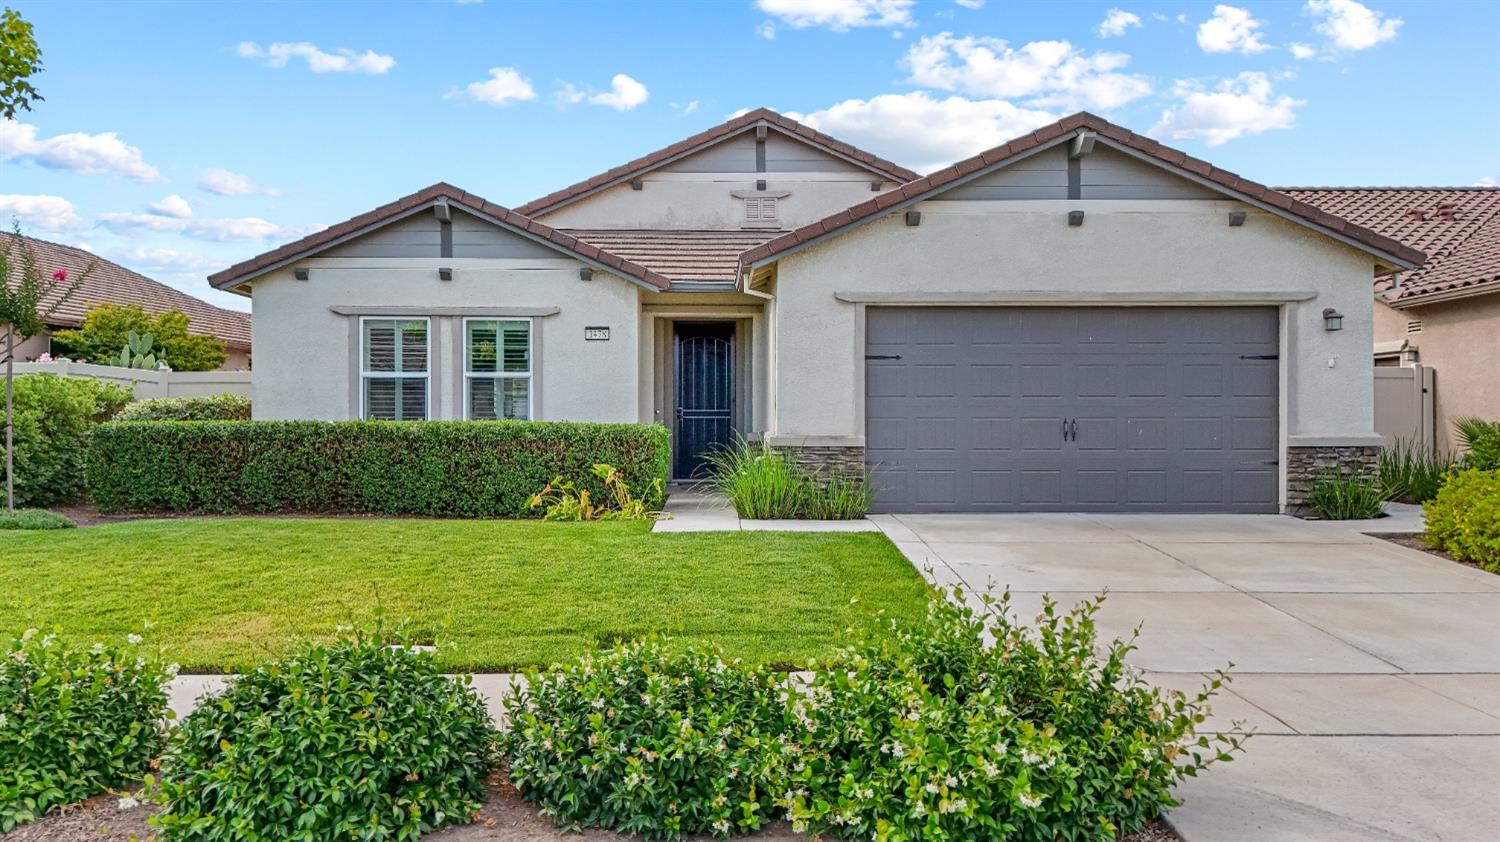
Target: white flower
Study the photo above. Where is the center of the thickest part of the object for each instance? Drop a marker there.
(1030, 757)
(991, 770)
(1031, 801)
(598, 704)
(134, 639)
(128, 803)
(955, 805)
(1001, 747)
(950, 782)
(722, 826)
(97, 648)
(932, 788)
(173, 669)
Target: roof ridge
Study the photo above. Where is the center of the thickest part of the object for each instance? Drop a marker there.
(1479, 188)
(707, 137)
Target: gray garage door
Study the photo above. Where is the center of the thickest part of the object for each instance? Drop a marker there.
(992, 409)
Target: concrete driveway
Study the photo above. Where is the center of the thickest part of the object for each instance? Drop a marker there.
(1369, 672)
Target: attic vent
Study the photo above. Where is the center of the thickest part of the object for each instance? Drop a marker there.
(1414, 326)
(760, 212)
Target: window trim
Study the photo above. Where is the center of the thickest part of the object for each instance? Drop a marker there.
(529, 376)
(365, 374)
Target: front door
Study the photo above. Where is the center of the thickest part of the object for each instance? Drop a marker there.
(703, 374)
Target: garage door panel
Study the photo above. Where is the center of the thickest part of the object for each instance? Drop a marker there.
(1168, 412)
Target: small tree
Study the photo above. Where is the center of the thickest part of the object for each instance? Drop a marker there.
(20, 59)
(23, 289)
(107, 328)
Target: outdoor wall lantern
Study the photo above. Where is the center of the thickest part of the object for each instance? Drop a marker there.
(445, 274)
(1332, 319)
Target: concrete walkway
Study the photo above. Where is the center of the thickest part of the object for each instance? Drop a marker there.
(696, 509)
(1370, 672)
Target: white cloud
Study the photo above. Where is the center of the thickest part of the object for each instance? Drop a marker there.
(49, 213)
(568, 93)
(1231, 30)
(951, 128)
(164, 260)
(1487, 181)
(1301, 51)
(1242, 105)
(1350, 25)
(215, 230)
(970, 4)
(1055, 73)
(1116, 22)
(766, 30)
(88, 154)
(341, 60)
(505, 85)
(227, 183)
(174, 206)
(839, 15)
(686, 108)
(624, 94)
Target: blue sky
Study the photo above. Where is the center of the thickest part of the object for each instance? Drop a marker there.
(177, 138)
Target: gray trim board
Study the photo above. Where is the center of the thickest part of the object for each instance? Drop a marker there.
(939, 298)
(478, 312)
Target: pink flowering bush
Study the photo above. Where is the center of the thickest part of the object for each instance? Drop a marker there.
(649, 743)
(929, 733)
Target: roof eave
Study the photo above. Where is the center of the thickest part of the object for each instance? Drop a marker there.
(1421, 299)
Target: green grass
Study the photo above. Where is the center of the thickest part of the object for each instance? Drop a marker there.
(494, 594)
(33, 519)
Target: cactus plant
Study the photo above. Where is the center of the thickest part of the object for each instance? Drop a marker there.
(137, 352)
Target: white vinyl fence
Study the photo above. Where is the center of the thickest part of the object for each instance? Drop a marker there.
(147, 383)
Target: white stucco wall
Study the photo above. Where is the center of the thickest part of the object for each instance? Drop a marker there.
(1182, 251)
(303, 350)
(704, 200)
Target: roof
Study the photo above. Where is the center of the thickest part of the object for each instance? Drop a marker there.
(680, 255)
(1457, 227)
(111, 283)
(729, 128)
(1274, 201)
(241, 272)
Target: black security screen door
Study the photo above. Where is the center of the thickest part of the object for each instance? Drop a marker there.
(703, 360)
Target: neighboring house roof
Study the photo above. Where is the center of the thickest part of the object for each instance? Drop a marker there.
(702, 140)
(681, 256)
(111, 283)
(1384, 247)
(238, 274)
(1457, 227)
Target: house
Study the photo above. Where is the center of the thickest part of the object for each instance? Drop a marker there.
(1080, 320)
(111, 283)
(1445, 314)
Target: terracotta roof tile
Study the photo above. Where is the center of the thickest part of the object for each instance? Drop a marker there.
(111, 283)
(744, 122)
(679, 255)
(315, 242)
(1462, 242)
(935, 181)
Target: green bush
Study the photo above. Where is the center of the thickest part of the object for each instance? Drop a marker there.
(1464, 518)
(74, 722)
(107, 327)
(1410, 473)
(354, 740)
(210, 408)
(435, 468)
(766, 484)
(1336, 496)
(53, 420)
(1482, 441)
(649, 744)
(929, 733)
(33, 519)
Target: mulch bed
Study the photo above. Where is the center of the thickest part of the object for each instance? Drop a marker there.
(505, 817)
(1415, 542)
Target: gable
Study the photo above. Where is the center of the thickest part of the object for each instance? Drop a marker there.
(779, 154)
(421, 235)
(1104, 173)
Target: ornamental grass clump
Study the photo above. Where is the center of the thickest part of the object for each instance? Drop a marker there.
(75, 721)
(929, 732)
(358, 739)
(649, 743)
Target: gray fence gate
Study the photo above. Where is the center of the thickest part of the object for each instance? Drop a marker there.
(1404, 404)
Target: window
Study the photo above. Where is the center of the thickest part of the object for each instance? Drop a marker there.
(394, 369)
(497, 369)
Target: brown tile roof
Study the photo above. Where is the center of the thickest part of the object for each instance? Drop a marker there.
(680, 255)
(243, 271)
(734, 126)
(111, 283)
(936, 181)
(1457, 227)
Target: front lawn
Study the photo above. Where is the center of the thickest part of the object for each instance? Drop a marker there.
(497, 594)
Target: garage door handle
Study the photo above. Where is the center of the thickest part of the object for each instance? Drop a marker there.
(1065, 429)
(882, 356)
(1073, 428)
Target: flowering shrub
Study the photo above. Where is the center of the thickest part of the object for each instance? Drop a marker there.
(353, 740)
(648, 743)
(74, 721)
(1464, 518)
(930, 734)
(206, 408)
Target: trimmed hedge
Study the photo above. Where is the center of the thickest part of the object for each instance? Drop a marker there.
(433, 468)
(224, 407)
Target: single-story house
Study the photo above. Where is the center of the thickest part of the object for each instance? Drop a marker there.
(1081, 319)
(1445, 314)
(111, 283)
